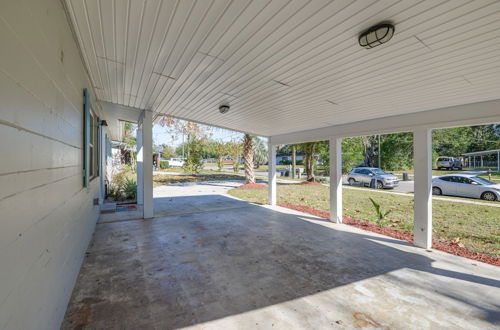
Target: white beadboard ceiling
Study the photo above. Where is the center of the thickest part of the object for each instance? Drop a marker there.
(286, 66)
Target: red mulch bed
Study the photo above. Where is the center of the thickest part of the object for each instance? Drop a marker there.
(253, 185)
(310, 182)
(452, 248)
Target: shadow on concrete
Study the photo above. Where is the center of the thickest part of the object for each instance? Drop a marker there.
(190, 268)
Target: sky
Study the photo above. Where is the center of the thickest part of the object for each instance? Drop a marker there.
(160, 136)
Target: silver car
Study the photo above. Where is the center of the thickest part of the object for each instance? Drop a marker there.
(448, 163)
(365, 175)
(466, 185)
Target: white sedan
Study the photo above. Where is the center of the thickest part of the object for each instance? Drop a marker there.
(176, 162)
(466, 185)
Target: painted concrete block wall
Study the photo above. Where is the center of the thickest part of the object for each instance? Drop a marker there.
(46, 217)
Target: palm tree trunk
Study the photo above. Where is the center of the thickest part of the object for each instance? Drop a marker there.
(248, 157)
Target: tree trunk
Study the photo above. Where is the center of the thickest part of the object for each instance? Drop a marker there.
(369, 150)
(309, 149)
(294, 160)
(248, 158)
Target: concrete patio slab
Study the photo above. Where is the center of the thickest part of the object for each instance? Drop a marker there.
(244, 266)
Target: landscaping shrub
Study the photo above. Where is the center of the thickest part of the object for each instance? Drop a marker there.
(130, 188)
(164, 164)
(123, 185)
(381, 215)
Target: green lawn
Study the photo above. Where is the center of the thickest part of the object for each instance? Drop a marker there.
(477, 226)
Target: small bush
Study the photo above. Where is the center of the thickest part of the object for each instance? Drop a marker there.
(164, 164)
(123, 185)
(378, 210)
(130, 188)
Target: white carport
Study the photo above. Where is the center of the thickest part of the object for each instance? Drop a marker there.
(290, 70)
(471, 157)
(293, 71)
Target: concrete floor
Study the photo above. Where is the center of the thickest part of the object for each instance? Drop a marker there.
(208, 261)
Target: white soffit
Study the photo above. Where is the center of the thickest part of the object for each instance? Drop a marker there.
(287, 66)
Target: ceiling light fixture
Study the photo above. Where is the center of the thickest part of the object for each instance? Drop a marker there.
(376, 35)
(224, 108)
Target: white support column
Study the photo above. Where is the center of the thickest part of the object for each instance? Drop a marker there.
(272, 174)
(102, 159)
(147, 163)
(422, 148)
(140, 181)
(336, 180)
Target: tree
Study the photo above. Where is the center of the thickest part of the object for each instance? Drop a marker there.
(309, 149)
(370, 155)
(284, 149)
(452, 141)
(221, 149)
(352, 153)
(128, 148)
(194, 160)
(259, 152)
(210, 150)
(196, 134)
(397, 151)
(248, 158)
(178, 127)
(234, 149)
(323, 149)
(167, 151)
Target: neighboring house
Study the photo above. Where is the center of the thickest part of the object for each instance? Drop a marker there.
(286, 158)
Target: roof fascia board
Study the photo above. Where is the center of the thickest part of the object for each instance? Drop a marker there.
(479, 113)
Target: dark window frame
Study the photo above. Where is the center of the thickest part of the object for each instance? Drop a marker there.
(91, 141)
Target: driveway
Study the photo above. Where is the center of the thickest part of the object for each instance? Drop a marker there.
(209, 261)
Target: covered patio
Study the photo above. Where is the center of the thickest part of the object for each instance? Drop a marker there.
(220, 263)
(294, 72)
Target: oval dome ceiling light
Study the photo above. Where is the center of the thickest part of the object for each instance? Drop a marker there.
(224, 108)
(376, 35)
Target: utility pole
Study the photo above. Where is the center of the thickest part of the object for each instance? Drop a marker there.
(294, 158)
(183, 146)
(379, 153)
